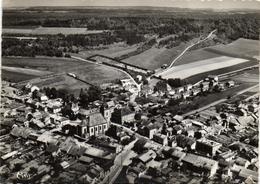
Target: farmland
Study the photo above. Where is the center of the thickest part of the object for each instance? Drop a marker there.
(198, 77)
(114, 50)
(239, 48)
(13, 76)
(89, 72)
(187, 70)
(155, 57)
(25, 71)
(41, 63)
(50, 31)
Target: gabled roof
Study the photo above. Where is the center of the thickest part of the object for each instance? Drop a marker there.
(94, 119)
(126, 111)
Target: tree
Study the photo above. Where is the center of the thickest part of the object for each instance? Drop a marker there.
(161, 86)
(35, 94)
(53, 93)
(177, 82)
(83, 98)
(94, 93)
(33, 170)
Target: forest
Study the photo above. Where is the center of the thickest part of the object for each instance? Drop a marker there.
(128, 29)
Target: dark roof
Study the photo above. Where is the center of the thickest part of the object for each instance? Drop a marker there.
(86, 159)
(76, 150)
(94, 119)
(126, 111)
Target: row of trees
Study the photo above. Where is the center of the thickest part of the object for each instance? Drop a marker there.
(174, 83)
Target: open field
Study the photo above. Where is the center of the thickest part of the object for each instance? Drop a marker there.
(15, 76)
(247, 76)
(114, 50)
(50, 31)
(239, 48)
(187, 70)
(42, 63)
(91, 73)
(32, 68)
(195, 55)
(25, 71)
(155, 57)
(195, 78)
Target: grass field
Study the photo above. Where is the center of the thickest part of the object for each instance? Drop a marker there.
(26, 71)
(195, 55)
(42, 63)
(195, 78)
(50, 31)
(15, 76)
(92, 73)
(187, 70)
(155, 57)
(239, 48)
(114, 50)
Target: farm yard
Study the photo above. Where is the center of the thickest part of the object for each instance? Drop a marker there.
(50, 31)
(187, 70)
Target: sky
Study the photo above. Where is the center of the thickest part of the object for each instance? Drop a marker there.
(214, 4)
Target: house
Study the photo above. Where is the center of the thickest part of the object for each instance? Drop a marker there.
(178, 118)
(83, 113)
(186, 95)
(126, 82)
(185, 142)
(188, 87)
(244, 173)
(179, 90)
(147, 156)
(230, 84)
(161, 139)
(199, 164)
(174, 153)
(205, 86)
(94, 124)
(147, 131)
(213, 77)
(177, 129)
(42, 97)
(242, 162)
(172, 92)
(207, 146)
(195, 91)
(123, 115)
(107, 109)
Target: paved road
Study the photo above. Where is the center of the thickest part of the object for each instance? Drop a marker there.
(184, 51)
(220, 101)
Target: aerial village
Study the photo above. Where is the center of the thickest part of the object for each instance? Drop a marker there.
(46, 139)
